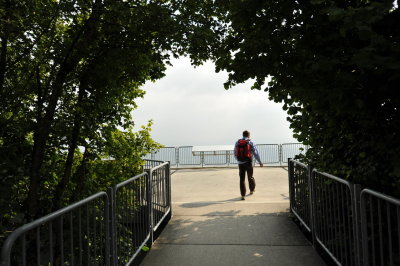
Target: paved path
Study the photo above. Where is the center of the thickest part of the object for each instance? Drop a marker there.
(212, 226)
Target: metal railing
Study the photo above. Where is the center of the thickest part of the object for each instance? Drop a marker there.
(334, 217)
(380, 216)
(275, 154)
(160, 192)
(299, 193)
(75, 235)
(352, 226)
(108, 228)
(131, 223)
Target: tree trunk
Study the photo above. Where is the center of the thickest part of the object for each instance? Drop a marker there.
(75, 53)
(80, 177)
(60, 189)
(40, 138)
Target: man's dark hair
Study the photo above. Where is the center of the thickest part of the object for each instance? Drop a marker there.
(246, 134)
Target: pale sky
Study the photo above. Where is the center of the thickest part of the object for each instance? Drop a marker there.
(190, 106)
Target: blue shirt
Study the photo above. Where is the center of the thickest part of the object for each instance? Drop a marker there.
(253, 151)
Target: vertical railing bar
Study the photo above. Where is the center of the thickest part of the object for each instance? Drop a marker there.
(125, 223)
(51, 243)
(139, 231)
(144, 209)
(318, 198)
(131, 215)
(24, 249)
(334, 221)
(151, 206)
(160, 195)
(290, 175)
(339, 236)
(112, 191)
(302, 193)
(304, 201)
(329, 218)
(398, 227)
(38, 245)
(128, 240)
(312, 206)
(349, 221)
(159, 176)
(372, 229)
(325, 212)
(358, 259)
(155, 197)
(105, 230)
(380, 231)
(297, 183)
(71, 232)
(94, 233)
(62, 239)
(135, 240)
(80, 234)
(364, 229)
(135, 212)
(389, 232)
(134, 232)
(117, 217)
(343, 222)
(87, 234)
(337, 223)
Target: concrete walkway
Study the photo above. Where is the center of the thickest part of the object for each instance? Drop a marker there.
(212, 226)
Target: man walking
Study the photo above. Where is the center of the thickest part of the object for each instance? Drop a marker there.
(244, 152)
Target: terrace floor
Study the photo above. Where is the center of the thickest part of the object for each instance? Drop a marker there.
(212, 226)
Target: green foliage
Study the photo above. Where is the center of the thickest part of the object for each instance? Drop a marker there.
(70, 72)
(335, 65)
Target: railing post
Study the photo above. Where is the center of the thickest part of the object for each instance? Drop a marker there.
(150, 202)
(228, 159)
(364, 231)
(290, 175)
(112, 229)
(168, 176)
(202, 158)
(280, 155)
(177, 156)
(311, 204)
(357, 228)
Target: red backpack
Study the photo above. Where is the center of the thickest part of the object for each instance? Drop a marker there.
(243, 150)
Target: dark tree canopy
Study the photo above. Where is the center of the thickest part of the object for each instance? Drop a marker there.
(336, 67)
(70, 72)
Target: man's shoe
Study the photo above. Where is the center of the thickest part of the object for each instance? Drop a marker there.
(243, 198)
(251, 192)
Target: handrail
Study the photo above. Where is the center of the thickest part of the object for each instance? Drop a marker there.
(352, 228)
(141, 196)
(8, 244)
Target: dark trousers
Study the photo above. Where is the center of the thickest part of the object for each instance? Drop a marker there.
(243, 168)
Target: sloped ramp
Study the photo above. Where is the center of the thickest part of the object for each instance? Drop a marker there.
(212, 226)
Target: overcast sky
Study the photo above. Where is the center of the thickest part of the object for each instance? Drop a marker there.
(190, 106)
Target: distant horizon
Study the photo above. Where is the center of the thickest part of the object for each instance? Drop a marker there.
(256, 143)
(190, 107)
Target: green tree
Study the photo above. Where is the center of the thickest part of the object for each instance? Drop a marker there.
(70, 72)
(335, 65)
